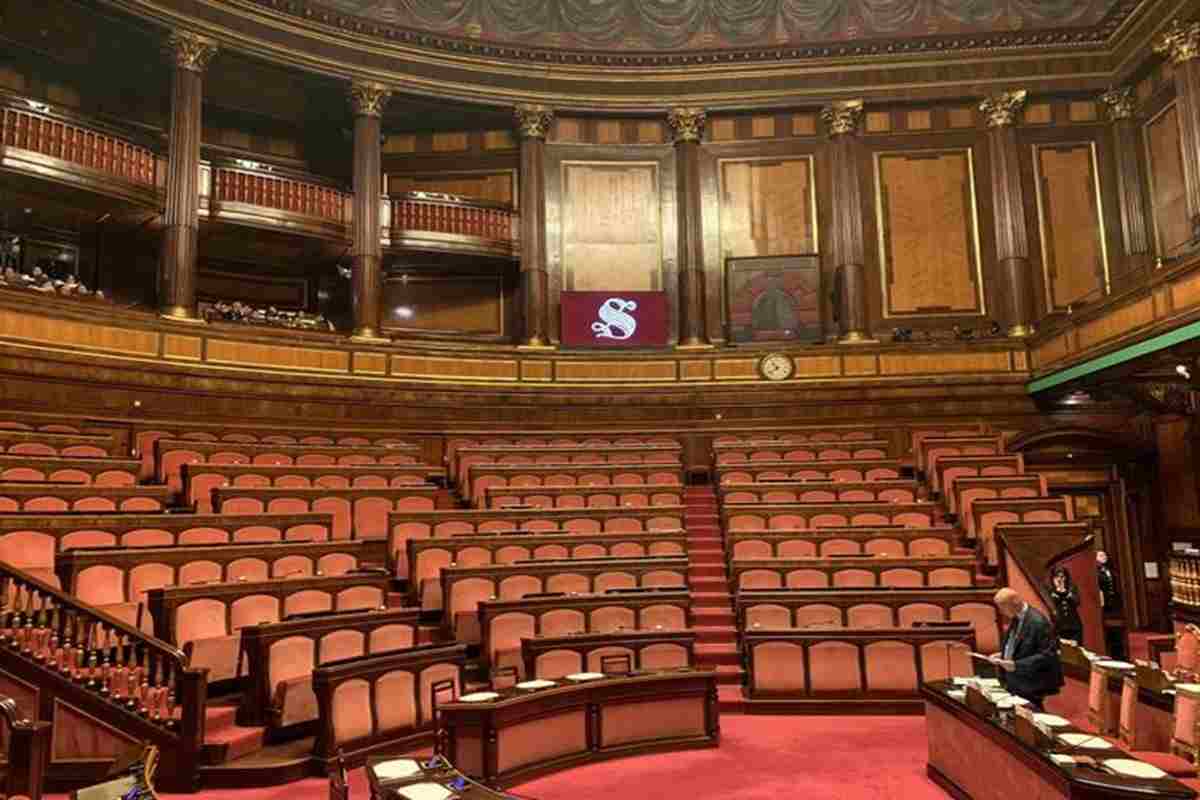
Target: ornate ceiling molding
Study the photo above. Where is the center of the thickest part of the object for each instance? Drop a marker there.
(503, 75)
(644, 33)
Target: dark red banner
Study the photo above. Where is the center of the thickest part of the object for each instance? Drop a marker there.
(615, 319)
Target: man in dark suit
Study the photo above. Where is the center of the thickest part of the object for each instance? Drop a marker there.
(1028, 662)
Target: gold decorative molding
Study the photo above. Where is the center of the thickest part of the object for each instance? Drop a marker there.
(1120, 102)
(687, 124)
(533, 120)
(843, 116)
(1180, 42)
(368, 98)
(190, 51)
(1001, 109)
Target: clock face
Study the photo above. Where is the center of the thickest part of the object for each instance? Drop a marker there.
(776, 367)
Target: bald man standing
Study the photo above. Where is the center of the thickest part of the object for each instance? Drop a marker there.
(1028, 662)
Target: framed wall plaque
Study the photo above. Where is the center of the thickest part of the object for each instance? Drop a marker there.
(774, 298)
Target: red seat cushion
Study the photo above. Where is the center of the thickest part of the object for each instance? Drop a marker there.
(1173, 765)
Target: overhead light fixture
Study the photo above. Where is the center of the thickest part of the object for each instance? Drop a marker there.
(1183, 371)
(1075, 398)
(39, 107)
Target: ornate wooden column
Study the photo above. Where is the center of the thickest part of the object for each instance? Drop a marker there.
(687, 126)
(1135, 232)
(366, 252)
(190, 55)
(847, 251)
(1012, 239)
(1181, 44)
(533, 124)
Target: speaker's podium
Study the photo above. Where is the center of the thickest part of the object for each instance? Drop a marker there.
(131, 777)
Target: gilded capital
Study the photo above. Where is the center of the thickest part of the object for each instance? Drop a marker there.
(368, 98)
(687, 124)
(843, 116)
(1180, 42)
(533, 120)
(1120, 102)
(1001, 109)
(190, 51)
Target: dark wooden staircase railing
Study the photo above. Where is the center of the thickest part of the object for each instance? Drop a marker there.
(79, 664)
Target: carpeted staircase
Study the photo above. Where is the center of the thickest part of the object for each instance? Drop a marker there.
(712, 602)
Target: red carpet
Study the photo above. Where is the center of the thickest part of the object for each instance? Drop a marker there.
(760, 758)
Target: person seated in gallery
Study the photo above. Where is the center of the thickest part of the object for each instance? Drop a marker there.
(1027, 664)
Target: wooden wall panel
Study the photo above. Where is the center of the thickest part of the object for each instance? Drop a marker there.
(258, 290)
(461, 304)
(1177, 469)
(611, 227)
(79, 736)
(1074, 257)
(1167, 199)
(767, 207)
(928, 233)
(496, 187)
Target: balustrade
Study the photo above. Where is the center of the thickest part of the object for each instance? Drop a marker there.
(99, 653)
(38, 131)
(1185, 578)
(286, 193)
(444, 213)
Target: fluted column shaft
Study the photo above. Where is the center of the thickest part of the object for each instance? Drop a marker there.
(687, 128)
(1008, 205)
(1181, 43)
(190, 55)
(533, 124)
(847, 250)
(1135, 230)
(366, 250)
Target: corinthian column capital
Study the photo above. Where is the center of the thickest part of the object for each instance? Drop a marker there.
(190, 51)
(843, 116)
(1001, 109)
(533, 120)
(1180, 42)
(368, 98)
(1120, 102)
(687, 124)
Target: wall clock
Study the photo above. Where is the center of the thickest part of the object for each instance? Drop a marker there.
(776, 367)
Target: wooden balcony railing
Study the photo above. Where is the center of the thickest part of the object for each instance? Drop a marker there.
(286, 193)
(35, 129)
(452, 222)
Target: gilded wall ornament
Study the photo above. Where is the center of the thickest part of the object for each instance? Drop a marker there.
(1002, 108)
(843, 116)
(368, 98)
(1121, 103)
(1180, 42)
(190, 51)
(687, 124)
(533, 120)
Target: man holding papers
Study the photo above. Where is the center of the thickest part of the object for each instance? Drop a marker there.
(1028, 663)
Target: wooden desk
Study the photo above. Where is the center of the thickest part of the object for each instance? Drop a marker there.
(974, 758)
(523, 733)
(442, 773)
